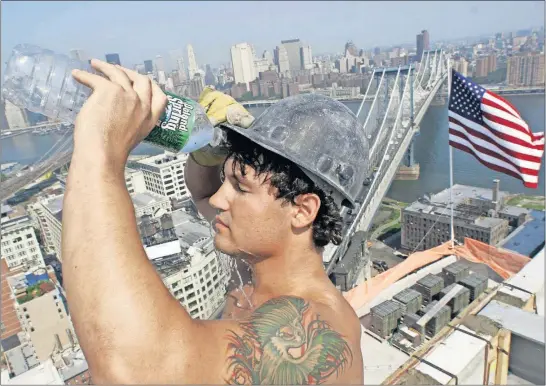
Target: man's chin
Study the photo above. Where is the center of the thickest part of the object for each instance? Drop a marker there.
(222, 245)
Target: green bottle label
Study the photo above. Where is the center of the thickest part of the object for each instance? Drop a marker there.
(174, 128)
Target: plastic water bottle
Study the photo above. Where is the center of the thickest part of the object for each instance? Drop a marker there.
(41, 81)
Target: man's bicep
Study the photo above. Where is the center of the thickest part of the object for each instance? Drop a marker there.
(285, 341)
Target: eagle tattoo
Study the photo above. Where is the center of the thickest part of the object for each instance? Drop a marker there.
(282, 345)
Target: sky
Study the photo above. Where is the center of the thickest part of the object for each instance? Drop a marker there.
(141, 30)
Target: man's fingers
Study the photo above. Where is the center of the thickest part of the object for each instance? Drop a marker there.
(159, 102)
(113, 73)
(141, 84)
(87, 79)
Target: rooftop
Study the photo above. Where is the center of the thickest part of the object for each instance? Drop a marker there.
(528, 238)
(27, 286)
(141, 200)
(54, 204)
(463, 192)
(44, 374)
(190, 229)
(164, 159)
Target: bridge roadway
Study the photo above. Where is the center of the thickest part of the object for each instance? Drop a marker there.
(14, 184)
(374, 193)
(15, 132)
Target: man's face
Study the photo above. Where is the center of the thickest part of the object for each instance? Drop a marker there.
(251, 222)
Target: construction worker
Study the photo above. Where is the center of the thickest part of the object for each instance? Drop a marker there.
(274, 199)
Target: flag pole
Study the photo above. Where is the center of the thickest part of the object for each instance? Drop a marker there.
(452, 231)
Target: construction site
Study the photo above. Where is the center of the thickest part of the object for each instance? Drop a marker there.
(469, 314)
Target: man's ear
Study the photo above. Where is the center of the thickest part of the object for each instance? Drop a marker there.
(305, 210)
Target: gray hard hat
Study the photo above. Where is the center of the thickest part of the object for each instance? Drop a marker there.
(320, 135)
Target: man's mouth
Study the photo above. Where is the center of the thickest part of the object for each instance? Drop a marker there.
(219, 222)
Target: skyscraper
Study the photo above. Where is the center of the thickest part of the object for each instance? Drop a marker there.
(243, 63)
(192, 62)
(306, 57)
(423, 43)
(282, 59)
(292, 47)
(78, 54)
(159, 63)
(148, 66)
(181, 68)
(209, 76)
(113, 59)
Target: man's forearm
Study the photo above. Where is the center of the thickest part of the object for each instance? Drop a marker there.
(118, 303)
(202, 182)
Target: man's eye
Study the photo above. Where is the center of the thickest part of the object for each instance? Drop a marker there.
(240, 189)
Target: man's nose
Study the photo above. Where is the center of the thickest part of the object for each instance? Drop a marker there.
(219, 200)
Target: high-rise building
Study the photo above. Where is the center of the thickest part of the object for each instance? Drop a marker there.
(243, 63)
(306, 57)
(181, 68)
(461, 66)
(148, 66)
(267, 56)
(159, 64)
(19, 245)
(192, 62)
(140, 68)
(293, 52)
(15, 116)
(209, 76)
(180, 248)
(113, 59)
(164, 175)
(78, 54)
(197, 85)
(282, 59)
(39, 304)
(482, 67)
(525, 70)
(48, 213)
(423, 43)
(491, 63)
(261, 65)
(134, 180)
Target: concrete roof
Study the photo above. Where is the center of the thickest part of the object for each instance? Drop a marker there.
(144, 199)
(514, 210)
(520, 322)
(55, 204)
(461, 192)
(166, 159)
(455, 354)
(189, 229)
(43, 374)
(380, 359)
(10, 342)
(529, 236)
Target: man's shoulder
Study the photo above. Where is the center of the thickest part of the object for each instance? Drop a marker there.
(292, 340)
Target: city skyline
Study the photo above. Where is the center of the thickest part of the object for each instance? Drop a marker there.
(260, 28)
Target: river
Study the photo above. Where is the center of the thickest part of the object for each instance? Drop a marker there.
(431, 152)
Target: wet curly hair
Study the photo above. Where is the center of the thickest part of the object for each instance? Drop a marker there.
(290, 182)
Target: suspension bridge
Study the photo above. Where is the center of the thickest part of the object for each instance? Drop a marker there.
(402, 97)
(392, 114)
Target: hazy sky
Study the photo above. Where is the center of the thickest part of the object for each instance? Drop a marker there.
(141, 30)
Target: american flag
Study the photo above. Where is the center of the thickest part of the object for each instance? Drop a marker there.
(487, 126)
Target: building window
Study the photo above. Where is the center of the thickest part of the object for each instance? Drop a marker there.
(29, 236)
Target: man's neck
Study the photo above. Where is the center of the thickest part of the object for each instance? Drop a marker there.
(290, 273)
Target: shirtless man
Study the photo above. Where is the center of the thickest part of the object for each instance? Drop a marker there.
(267, 210)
